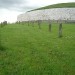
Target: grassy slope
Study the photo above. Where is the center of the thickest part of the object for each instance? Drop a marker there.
(31, 51)
(61, 5)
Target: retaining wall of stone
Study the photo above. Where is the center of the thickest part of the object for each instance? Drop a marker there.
(48, 14)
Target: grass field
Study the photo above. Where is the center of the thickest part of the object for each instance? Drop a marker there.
(29, 50)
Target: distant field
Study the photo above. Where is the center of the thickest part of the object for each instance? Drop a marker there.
(33, 51)
(60, 5)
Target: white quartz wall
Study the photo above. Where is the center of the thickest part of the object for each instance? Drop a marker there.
(48, 14)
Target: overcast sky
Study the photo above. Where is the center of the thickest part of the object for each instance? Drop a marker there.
(10, 9)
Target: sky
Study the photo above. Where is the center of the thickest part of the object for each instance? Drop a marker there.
(10, 9)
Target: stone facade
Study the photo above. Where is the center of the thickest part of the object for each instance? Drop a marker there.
(48, 14)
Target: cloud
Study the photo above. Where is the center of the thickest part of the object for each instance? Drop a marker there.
(26, 5)
(12, 4)
(9, 3)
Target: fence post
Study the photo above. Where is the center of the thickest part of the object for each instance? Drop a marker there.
(60, 30)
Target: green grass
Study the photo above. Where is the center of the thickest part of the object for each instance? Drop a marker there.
(60, 5)
(34, 51)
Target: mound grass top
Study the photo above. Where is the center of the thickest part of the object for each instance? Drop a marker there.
(60, 5)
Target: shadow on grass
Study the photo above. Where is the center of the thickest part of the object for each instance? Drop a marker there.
(2, 48)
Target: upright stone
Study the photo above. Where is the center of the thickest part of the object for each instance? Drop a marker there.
(28, 23)
(39, 24)
(33, 23)
(60, 30)
(50, 27)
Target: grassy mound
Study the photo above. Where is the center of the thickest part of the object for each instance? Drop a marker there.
(60, 5)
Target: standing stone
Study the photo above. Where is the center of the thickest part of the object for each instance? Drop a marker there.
(50, 27)
(5, 22)
(28, 23)
(49, 21)
(19, 22)
(60, 30)
(39, 24)
(33, 23)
